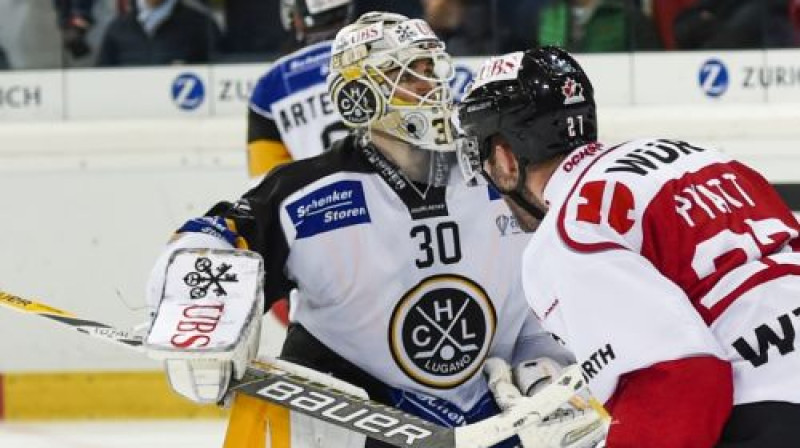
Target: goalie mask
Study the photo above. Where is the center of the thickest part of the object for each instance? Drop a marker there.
(391, 73)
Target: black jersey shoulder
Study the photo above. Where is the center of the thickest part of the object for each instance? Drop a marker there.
(284, 180)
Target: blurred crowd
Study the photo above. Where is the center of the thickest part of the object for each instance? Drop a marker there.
(38, 34)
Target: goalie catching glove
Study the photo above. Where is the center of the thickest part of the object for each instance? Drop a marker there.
(207, 321)
(579, 423)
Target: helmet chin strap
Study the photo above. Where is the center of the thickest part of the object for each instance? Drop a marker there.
(516, 194)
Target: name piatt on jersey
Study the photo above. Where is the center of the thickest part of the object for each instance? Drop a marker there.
(441, 330)
(336, 205)
(718, 196)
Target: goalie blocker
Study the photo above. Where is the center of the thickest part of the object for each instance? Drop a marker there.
(207, 323)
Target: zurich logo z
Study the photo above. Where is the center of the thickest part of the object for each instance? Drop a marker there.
(713, 78)
(188, 91)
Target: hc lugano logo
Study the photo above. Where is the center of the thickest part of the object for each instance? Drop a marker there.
(205, 277)
(441, 330)
(357, 102)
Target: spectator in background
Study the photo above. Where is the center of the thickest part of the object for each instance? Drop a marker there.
(664, 13)
(716, 24)
(794, 16)
(590, 26)
(466, 26)
(161, 32)
(253, 30)
(3, 60)
(408, 8)
(74, 21)
(516, 23)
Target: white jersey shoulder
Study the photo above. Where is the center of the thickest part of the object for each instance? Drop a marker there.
(609, 190)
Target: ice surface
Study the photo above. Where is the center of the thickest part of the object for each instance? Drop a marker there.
(114, 434)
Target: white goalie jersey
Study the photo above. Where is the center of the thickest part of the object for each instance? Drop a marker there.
(416, 292)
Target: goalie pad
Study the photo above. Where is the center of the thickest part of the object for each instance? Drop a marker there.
(207, 323)
(580, 423)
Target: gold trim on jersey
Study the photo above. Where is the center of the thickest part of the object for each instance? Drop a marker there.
(264, 155)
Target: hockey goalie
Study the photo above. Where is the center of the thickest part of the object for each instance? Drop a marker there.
(403, 279)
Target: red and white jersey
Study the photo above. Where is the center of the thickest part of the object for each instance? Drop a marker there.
(657, 250)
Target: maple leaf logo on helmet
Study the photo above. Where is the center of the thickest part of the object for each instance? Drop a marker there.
(573, 92)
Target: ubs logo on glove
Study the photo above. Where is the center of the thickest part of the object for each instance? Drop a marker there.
(441, 329)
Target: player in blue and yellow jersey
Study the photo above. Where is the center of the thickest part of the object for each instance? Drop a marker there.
(290, 115)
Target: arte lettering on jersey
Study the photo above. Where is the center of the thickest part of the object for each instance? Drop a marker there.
(299, 113)
(441, 330)
(334, 206)
(597, 361)
(655, 154)
(782, 337)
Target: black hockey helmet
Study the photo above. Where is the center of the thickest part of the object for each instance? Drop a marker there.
(328, 15)
(540, 100)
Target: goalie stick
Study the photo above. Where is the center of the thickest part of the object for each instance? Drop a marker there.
(291, 386)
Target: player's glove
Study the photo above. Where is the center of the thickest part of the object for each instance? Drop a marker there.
(207, 322)
(579, 423)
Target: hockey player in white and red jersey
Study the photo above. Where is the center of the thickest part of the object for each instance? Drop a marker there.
(290, 115)
(671, 270)
(390, 261)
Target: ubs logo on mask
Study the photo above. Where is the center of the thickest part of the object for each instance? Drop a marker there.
(441, 330)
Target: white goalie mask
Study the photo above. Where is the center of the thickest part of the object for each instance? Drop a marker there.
(391, 73)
